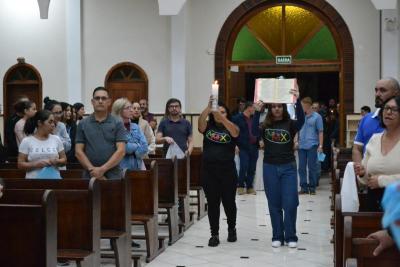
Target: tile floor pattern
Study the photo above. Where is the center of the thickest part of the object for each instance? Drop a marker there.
(253, 247)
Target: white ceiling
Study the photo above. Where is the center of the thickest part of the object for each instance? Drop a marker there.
(170, 7)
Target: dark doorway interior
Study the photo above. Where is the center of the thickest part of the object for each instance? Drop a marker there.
(320, 86)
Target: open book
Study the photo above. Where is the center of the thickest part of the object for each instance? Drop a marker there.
(275, 90)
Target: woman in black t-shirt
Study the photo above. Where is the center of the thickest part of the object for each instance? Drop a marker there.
(219, 176)
(279, 168)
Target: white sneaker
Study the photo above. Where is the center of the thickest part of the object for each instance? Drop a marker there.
(276, 244)
(292, 244)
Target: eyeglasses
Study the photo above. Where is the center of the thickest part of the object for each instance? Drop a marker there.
(391, 109)
(58, 113)
(128, 107)
(102, 98)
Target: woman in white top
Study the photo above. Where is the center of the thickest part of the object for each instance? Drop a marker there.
(380, 165)
(145, 127)
(40, 148)
(28, 108)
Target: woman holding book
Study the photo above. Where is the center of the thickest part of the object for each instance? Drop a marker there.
(279, 168)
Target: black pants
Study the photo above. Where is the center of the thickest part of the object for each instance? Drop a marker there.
(219, 182)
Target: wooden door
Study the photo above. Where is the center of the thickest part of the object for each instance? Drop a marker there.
(127, 80)
(21, 80)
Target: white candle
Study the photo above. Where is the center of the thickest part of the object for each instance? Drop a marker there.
(214, 95)
(214, 88)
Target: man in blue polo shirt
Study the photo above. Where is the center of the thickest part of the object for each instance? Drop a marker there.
(174, 128)
(311, 137)
(370, 123)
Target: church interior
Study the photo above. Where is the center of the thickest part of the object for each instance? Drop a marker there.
(156, 50)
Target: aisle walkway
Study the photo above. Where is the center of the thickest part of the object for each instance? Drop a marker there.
(254, 238)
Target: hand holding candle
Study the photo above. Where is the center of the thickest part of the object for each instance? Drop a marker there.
(214, 96)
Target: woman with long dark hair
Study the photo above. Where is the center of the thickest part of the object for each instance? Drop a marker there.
(70, 125)
(60, 129)
(219, 176)
(40, 148)
(279, 168)
(28, 108)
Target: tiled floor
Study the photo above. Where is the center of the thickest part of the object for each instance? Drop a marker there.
(253, 247)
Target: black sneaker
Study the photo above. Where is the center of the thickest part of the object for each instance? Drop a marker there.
(214, 241)
(232, 237)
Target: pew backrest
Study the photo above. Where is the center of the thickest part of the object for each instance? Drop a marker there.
(29, 228)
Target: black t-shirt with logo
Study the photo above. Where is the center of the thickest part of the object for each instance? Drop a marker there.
(278, 142)
(218, 144)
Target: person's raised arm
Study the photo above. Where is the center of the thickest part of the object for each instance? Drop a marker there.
(255, 128)
(299, 115)
(202, 122)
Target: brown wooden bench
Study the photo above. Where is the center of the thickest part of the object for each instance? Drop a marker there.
(357, 246)
(185, 214)
(195, 183)
(78, 217)
(29, 228)
(362, 249)
(339, 228)
(18, 173)
(144, 208)
(168, 195)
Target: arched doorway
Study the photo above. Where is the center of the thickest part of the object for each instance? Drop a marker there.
(128, 80)
(21, 80)
(228, 69)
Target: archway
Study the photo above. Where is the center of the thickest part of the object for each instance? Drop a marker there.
(128, 80)
(344, 64)
(21, 80)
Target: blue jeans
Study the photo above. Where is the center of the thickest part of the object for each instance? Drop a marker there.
(248, 164)
(308, 158)
(280, 184)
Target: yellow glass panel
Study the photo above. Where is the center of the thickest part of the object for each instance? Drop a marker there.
(299, 24)
(267, 27)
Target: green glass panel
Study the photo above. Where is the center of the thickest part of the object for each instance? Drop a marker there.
(321, 46)
(247, 47)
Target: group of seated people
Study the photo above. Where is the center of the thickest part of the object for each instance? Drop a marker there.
(376, 153)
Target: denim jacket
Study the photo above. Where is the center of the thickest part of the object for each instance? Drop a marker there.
(135, 149)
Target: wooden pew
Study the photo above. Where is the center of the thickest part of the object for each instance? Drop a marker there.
(362, 249)
(185, 214)
(195, 183)
(115, 215)
(168, 195)
(78, 213)
(29, 228)
(144, 208)
(339, 228)
(357, 246)
(18, 173)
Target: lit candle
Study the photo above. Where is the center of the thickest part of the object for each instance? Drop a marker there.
(214, 95)
(214, 90)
